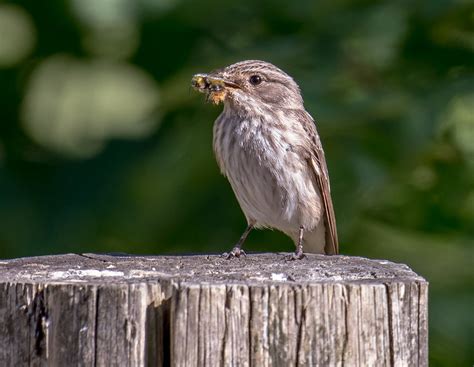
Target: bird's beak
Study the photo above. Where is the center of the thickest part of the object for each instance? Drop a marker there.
(215, 86)
(207, 83)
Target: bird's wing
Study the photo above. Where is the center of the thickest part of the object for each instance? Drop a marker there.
(317, 162)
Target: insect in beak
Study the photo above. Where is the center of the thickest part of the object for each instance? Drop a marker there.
(205, 82)
(199, 82)
(215, 87)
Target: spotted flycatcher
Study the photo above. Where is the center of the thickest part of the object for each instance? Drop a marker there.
(268, 147)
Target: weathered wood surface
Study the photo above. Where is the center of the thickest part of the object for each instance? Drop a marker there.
(260, 310)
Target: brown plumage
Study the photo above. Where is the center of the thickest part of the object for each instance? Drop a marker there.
(268, 147)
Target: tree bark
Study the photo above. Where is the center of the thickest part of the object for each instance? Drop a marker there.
(259, 310)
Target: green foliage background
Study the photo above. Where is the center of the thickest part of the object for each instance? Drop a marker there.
(389, 83)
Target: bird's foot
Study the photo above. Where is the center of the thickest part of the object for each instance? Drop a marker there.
(236, 252)
(297, 255)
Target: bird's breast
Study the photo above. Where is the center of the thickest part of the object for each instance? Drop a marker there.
(270, 180)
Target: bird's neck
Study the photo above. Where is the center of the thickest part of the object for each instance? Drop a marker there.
(247, 112)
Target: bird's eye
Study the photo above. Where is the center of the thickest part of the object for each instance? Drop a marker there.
(255, 79)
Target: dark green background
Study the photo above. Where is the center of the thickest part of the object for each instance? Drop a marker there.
(389, 83)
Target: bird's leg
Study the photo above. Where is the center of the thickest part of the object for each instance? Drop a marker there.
(237, 251)
(298, 254)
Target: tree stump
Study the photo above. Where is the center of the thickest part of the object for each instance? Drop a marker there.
(259, 310)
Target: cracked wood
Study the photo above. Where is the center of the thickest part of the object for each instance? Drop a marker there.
(120, 310)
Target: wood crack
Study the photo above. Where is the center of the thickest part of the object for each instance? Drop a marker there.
(41, 317)
(299, 340)
(390, 325)
(346, 326)
(96, 325)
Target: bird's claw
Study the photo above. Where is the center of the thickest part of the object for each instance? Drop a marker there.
(297, 255)
(236, 252)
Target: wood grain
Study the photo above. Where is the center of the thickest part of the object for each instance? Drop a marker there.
(106, 310)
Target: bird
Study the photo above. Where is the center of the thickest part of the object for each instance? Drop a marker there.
(268, 147)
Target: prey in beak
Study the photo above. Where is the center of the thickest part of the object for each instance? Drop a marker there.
(215, 88)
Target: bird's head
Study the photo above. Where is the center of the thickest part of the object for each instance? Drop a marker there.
(250, 84)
